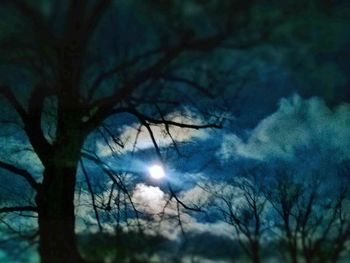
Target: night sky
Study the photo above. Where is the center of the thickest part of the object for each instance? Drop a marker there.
(283, 102)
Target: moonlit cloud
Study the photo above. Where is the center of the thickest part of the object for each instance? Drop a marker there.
(153, 201)
(196, 195)
(149, 198)
(298, 123)
(137, 137)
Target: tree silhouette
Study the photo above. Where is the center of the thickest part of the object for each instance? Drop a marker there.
(68, 67)
(63, 103)
(243, 207)
(313, 227)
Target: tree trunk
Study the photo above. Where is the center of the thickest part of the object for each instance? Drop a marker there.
(293, 254)
(255, 252)
(55, 202)
(56, 217)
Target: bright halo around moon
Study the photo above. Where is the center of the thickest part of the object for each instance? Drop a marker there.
(156, 171)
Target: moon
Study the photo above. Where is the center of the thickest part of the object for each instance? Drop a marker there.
(156, 171)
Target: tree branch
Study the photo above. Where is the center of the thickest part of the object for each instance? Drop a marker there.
(7, 93)
(95, 17)
(35, 18)
(115, 178)
(33, 122)
(191, 83)
(172, 192)
(105, 105)
(114, 71)
(21, 172)
(143, 118)
(173, 195)
(92, 194)
(32, 118)
(18, 209)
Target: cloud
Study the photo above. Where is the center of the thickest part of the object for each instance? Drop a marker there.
(297, 124)
(163, 214)
(149, 198)
(159, 214)
(196, 195)
(137, 137)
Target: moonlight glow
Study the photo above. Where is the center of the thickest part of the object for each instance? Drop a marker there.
(156, 171)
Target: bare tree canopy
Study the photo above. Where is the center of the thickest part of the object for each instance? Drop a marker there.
(95, 91)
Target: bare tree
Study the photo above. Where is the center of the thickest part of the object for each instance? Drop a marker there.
(243, 205)
(310, 217)
(284, 196)
(54, 49)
